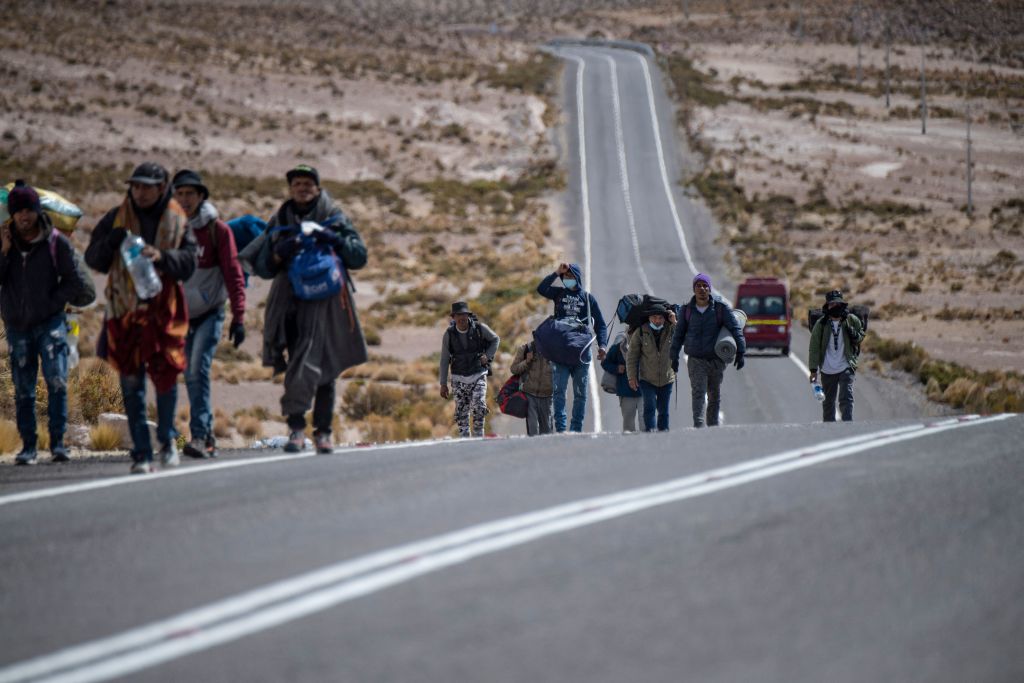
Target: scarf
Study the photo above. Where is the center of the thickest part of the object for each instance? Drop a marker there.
(147, 332)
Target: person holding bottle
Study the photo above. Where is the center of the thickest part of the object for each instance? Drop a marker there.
(833, 350)
(37, 279)
(145, 336)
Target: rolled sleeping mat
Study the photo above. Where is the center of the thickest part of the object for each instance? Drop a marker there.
(725, 347)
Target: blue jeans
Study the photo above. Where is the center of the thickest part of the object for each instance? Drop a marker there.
(46, 341)
(580, 378)
(200, 345)
(133, 390)
(655, 398)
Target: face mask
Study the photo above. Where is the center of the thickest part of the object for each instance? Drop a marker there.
(568, 282)
(656, 328)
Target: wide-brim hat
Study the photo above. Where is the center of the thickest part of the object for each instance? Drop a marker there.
(835, 296)
(460, 307)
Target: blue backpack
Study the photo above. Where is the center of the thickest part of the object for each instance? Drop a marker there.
(315, 272)
(245, 229)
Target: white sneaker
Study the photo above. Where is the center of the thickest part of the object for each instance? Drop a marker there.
(169, 455)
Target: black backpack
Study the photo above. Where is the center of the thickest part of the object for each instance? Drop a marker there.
(85, 293)
(862, 313)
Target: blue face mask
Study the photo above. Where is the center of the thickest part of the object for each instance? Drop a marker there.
(656, 328)
(568, 282)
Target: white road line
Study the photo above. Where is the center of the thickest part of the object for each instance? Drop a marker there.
(620, 144)
(38, 494)
(300, 596)
(592, 383)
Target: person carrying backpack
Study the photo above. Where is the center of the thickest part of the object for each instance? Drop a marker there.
(311, 340)
(38, 278)
(146, 336)
(649, 365)
(574, 303)
(535, 371)
(834, 349)
(697, 329)
(629, 398)
(218, 277)
(467, 350)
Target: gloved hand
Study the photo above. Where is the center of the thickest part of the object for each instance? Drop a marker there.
(116, 236)
(328, 237)
(739, 362)
(675, 365)
(286, 247)
(236, 334)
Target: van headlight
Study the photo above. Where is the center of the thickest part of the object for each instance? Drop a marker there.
(782, 329)
(751, 329)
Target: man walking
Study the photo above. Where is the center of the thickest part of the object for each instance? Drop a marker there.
(146, 336)
(312, 340)
(700, 322)
(218, 277)
(649, 366)
(37, 278)
(834, 348)
(467, 350)
(575, 303)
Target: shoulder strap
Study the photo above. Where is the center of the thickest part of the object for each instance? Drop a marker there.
(53, 248)
(213, 236)
(720, 313)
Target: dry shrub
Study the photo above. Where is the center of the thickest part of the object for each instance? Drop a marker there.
(249, 427)
(964, 393)
(261, 413)
(104, 437)
(378, 429)
(361, 400)
(42, 438)
(221, 424)
(10, 440)
(93, 389)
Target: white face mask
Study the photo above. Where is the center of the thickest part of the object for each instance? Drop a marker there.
(568, 282)
(656, 328)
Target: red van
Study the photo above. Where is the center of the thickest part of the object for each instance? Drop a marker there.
(765, 300)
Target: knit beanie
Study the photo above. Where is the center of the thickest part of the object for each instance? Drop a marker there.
(22, 197)
(701, 277)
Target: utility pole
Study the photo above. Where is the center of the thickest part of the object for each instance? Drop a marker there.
(800, 21)
(924, 100)
(888, 49)
(970, 167)
(857, 28)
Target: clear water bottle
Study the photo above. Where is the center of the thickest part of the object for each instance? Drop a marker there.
(819, 392)
(147, 282)
(72, 340)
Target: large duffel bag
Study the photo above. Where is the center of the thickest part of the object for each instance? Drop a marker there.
(565, 341)
(512, 399)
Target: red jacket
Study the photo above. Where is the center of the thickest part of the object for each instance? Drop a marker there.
(226, 256)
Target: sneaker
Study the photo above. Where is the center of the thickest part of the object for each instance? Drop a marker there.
(169, 455)
(28, 456)
(323, 442)
(296, 440)
(59, 453)
(196, 448)
(211, 446)
(141, 467)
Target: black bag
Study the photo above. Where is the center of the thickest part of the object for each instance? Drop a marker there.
(862, 313)
(85, 293)
(634, 309)
(563, 340)
(512, 400)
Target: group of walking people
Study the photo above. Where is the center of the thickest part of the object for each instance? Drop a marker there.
(644, 360)
(193, 255)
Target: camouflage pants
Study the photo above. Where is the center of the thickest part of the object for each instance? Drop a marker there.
(470, 400)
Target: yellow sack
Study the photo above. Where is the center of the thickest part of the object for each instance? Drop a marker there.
(63, 213)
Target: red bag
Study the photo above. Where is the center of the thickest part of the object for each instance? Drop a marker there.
(512, 399)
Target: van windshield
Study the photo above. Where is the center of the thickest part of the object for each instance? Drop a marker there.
(763, 305)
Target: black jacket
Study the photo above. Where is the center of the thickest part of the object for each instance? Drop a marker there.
(32, 290)
(103, 248)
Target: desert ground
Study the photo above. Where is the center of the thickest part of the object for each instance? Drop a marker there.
(436, 125)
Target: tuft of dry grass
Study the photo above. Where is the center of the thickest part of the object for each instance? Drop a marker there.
(93, 389)
(10, 440)
(221, 424)
(249, 427)
(104, 437)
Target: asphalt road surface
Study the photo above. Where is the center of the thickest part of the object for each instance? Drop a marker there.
(789, 550)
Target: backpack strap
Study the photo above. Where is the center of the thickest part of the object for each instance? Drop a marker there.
(53, 248)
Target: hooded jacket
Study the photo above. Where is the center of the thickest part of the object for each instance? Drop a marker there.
(535, 373)
(616, 357)
(574, 303)
(218, 276)
(649, 355)
(32, 290)
(697, 336)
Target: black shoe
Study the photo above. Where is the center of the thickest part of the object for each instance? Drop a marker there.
(196, 448)
(59, 453)
(323, 442)
(296, 442)
(28, 456)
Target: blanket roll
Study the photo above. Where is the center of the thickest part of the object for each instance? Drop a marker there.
(725, 347)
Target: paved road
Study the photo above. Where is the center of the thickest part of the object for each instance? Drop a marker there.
(645, 234)
(875, 550)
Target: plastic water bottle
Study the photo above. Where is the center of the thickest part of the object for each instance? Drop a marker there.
(72, 340)
(147, 282)
(819, 392)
